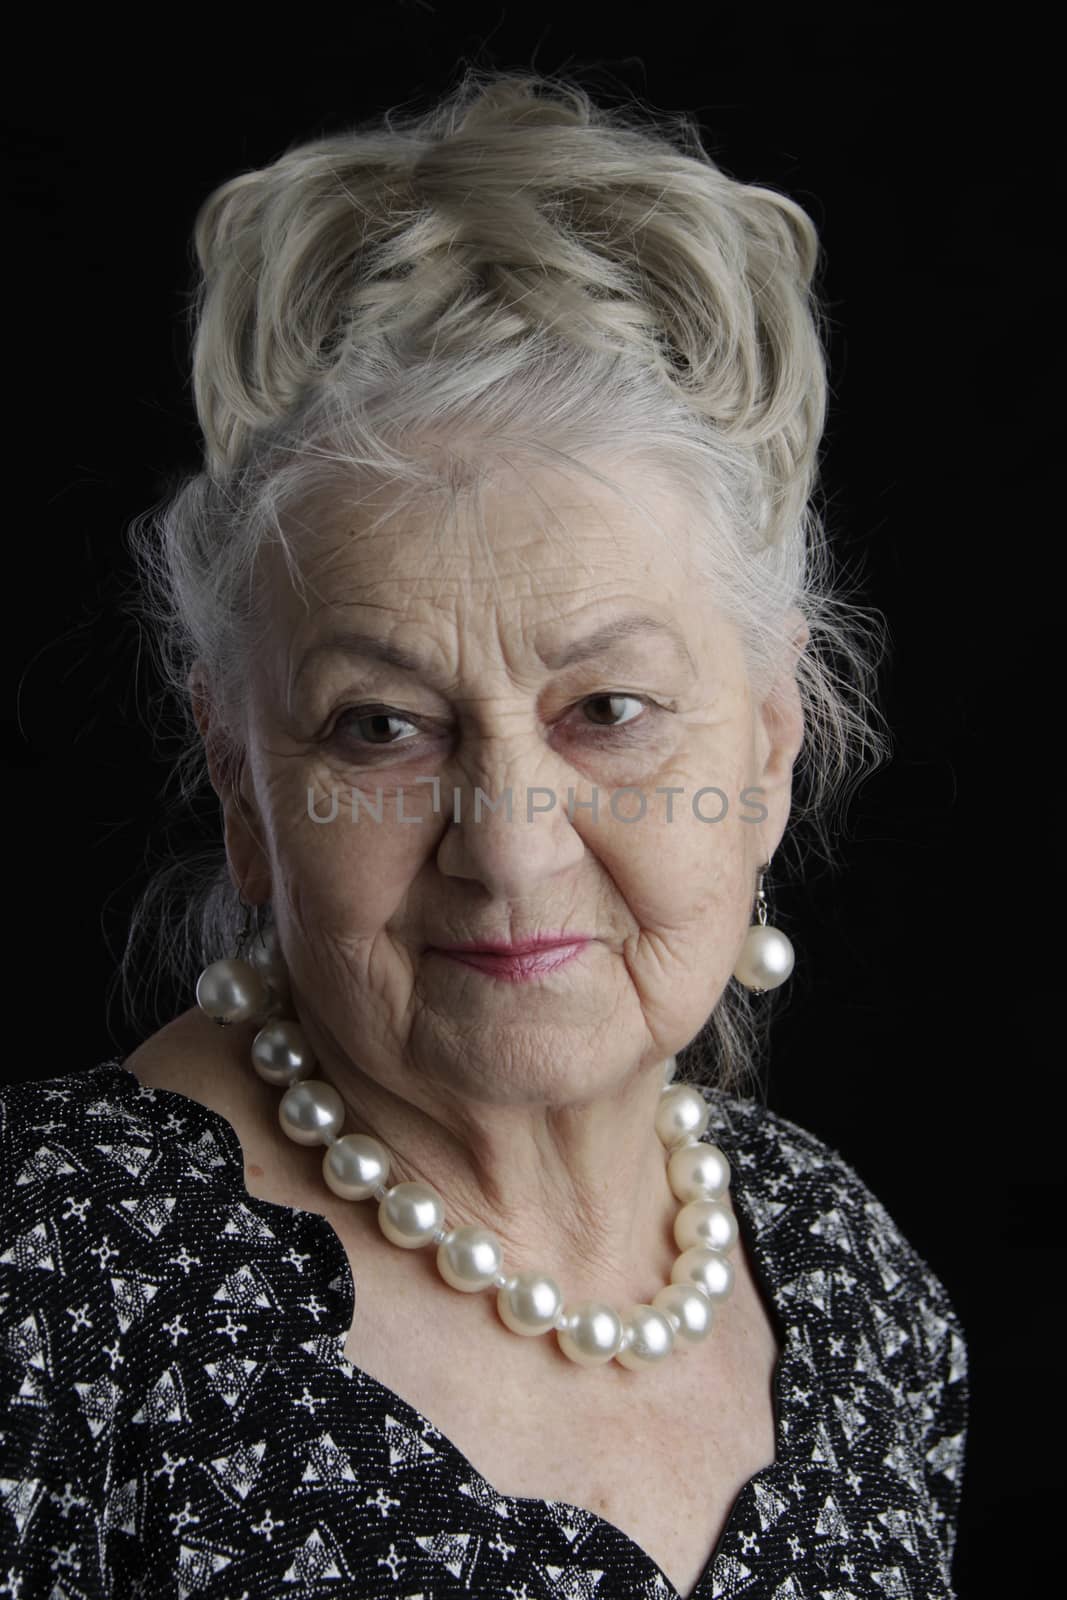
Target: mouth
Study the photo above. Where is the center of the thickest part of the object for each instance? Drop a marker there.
(515, 963)
(516, 947)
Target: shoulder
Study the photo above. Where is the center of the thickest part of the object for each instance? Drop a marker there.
(868, 1316)
(59, 1131)
(89, 1158)
(171, 1101)
(99, 1175)
(83, 1127)
(821, 1213)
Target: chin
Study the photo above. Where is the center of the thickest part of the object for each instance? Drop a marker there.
(536, 1070)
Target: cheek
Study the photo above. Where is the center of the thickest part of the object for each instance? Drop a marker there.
(347, 859)
(685, 875)
(681, 859)
(688, 887)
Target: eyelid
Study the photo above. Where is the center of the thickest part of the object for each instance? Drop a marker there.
(660, 702)
(359, 713)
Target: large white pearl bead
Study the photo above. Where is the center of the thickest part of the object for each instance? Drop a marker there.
(281, 1054)
(410, 1214)
(705, 1222)
(311, 1112)
(231, 991)
(592, 1333)
(682, 1114)
(689, 1306)
(698, 1172)
(530, 1303)
(766, 958)
(355, 1165)
(648, 1336)
(707, 1269)
(469, 1257)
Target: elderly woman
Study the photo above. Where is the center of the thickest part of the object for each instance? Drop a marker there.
(442, 1245)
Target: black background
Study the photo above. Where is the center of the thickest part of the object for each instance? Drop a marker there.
(917, 141)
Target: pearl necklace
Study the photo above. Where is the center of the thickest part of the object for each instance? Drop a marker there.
(469, 1258)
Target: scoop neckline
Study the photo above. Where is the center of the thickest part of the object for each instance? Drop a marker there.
(762, 1273)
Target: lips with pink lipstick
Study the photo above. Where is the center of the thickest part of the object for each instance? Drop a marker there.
(519, 961)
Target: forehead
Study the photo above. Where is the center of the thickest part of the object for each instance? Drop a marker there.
(542, 541)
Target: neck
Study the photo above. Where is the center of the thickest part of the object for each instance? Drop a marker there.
(578, 1190)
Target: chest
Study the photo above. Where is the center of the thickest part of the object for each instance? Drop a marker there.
(662, 1456)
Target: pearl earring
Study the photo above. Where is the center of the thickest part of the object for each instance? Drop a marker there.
(252, 984)
(767, 957)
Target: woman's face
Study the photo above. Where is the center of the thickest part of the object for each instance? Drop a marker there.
(502, 699)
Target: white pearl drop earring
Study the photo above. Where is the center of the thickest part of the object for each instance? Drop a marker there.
(356, 1166)
(767, 957)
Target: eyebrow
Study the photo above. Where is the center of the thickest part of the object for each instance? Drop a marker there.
(612, 633)
(353, 641)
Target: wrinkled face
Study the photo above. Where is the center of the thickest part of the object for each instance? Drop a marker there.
(505, 678)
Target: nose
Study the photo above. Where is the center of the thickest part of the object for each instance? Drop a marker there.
(512, 855)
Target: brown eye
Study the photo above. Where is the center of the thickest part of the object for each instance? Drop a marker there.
(381, 728)
(372, 725)
(612, 709)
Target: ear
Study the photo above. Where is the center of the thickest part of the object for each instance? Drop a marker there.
(779, 736)
(231, 780)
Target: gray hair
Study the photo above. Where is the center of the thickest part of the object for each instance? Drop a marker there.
(517, 276)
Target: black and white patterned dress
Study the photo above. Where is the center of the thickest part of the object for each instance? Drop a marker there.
(177, 1417)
